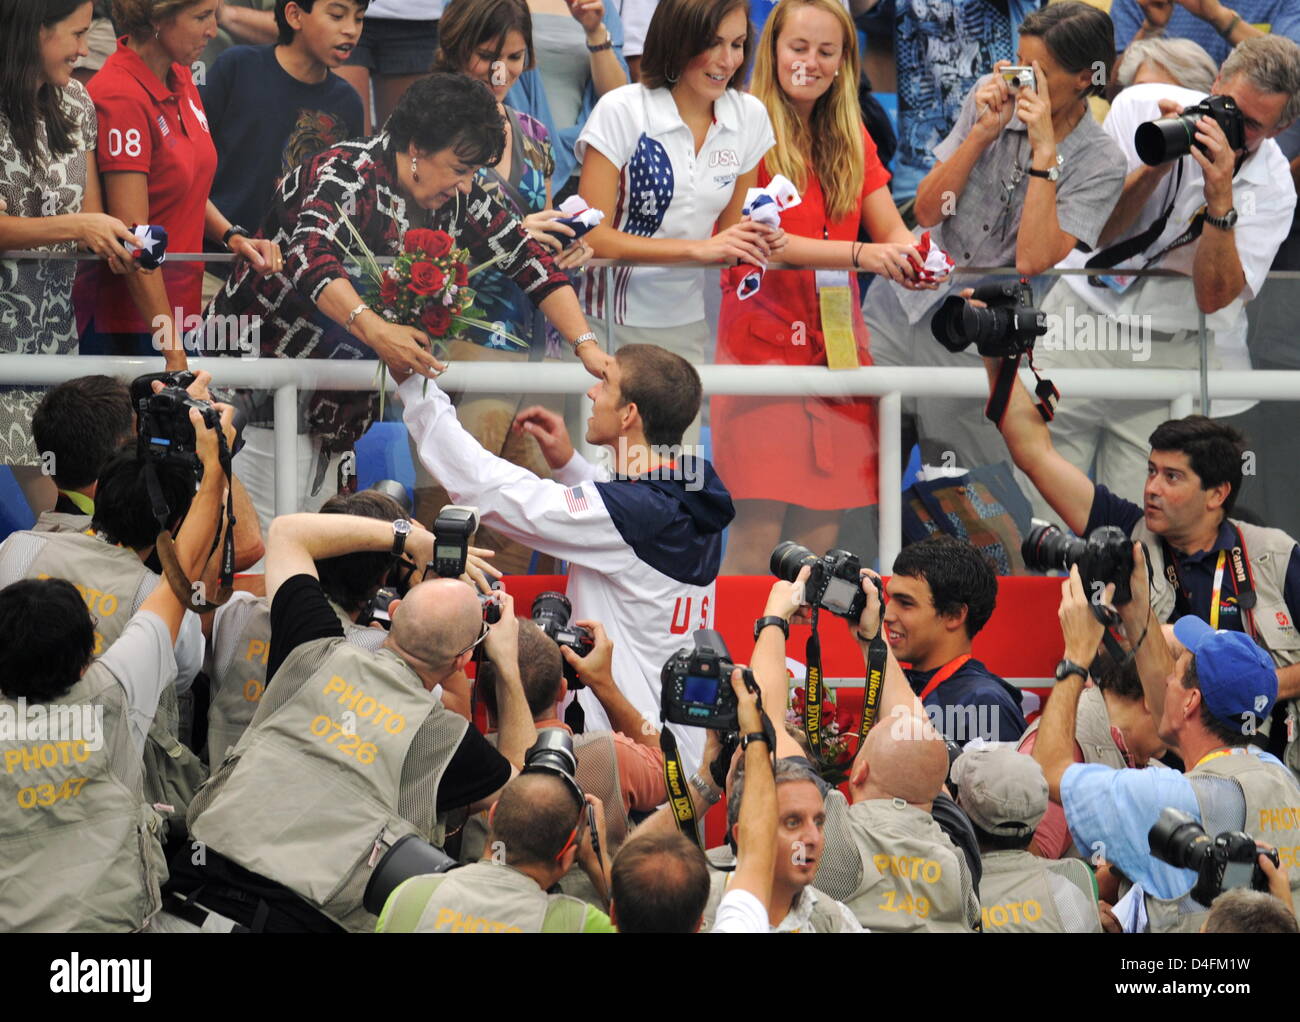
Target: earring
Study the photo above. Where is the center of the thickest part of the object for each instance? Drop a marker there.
(672, 79)
(415, 171)
(837, 74)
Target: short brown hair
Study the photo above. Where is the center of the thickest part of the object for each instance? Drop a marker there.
(683, 29)
(665, 388)
(351, 580)
(138, 17)
(659, 884)
(540, 668)
(468, 24)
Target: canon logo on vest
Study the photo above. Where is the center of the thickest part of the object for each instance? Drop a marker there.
(132, 976)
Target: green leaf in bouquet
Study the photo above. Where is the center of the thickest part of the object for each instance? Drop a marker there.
(369, 264)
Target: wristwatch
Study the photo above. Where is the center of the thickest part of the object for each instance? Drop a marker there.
(606, 45)
(771, 619)
(1224, 223)
(1052, 174)
(234, 229)
(1067, 667)
(582, 339)
(401, 529)
(755, 736)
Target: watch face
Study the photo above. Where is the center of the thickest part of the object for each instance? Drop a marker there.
(402, 527)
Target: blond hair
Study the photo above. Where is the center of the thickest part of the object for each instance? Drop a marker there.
(832, 142)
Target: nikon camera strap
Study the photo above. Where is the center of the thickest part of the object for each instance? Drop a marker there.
(812, 691)
(877, 658)
(679, 794)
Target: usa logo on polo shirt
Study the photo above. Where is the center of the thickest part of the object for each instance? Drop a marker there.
(162, 126)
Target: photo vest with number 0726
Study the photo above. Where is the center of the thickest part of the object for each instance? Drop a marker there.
(913, 879)
(1023, 893)
(1238, 791)
(1268, 553)
(79, 848)
(239, 669)
(110, 578)
(343, 757)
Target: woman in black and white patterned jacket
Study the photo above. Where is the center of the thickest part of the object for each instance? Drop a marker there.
(50, 202)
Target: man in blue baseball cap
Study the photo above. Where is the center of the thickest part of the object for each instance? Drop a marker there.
(1208, 703)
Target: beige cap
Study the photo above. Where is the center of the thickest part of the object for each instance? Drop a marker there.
(1003, 791)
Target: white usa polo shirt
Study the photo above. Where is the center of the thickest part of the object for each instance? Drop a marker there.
(667, 190)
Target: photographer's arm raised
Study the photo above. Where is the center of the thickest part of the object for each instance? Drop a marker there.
(1217, 276)
(194, 539)
(295, 542)
(756, 839)
(1154, 660)
(595, 670)
(515, 731)
(1068, 490)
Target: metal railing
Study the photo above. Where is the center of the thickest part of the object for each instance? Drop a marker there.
(1183, 389)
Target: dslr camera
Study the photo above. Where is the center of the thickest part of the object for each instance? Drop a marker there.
(164, 432)
(1105, 556)
(452, 531)
(697, 685)
(1222, 863)
(551, 613)
(834, 583)
(1170, 138)
(1006, 329)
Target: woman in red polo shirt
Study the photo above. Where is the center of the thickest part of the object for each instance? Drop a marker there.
(158, 160)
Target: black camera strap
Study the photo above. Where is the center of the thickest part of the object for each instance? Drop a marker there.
(812, 691)
(877, 658)
(1045, 392)
(679, 795)
(1115, 254)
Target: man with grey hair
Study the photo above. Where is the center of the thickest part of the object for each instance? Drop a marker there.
(1005, 795)
(348, 751)
(1215, 217)
(795, 905)
(1243, 911)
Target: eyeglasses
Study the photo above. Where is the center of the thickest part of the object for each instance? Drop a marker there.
(481, 636)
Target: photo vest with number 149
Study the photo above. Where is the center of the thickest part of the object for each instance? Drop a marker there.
(343, 757)
(1267, 553)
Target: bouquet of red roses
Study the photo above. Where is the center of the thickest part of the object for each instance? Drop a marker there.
(839, 738)
(426, 287)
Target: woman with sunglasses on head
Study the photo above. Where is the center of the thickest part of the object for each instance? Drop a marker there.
(806, 75)
(1025, 176)
(669, 160)
(491, 41)
(51, 200)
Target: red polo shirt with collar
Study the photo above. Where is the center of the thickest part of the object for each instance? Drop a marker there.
(159, 130)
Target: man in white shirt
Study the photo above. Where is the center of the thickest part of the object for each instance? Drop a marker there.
(643, 545)
(1215, 216)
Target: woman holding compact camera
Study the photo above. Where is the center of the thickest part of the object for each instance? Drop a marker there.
(1025, 176)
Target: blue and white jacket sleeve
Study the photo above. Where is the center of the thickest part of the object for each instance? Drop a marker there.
(569, 522)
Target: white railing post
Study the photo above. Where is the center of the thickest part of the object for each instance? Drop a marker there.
(889, 412)
(286, 449)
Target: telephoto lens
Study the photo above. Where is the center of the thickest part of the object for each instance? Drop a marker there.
(409, 857)
(1047, 548)
(553, 752)
(788, 557)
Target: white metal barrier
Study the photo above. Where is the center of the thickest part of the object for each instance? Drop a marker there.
(889, 384)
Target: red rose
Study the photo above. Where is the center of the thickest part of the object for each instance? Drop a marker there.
(436, 321)
(462, 275)
(438, 243)
(426, 279)
(387, 290)
(420, 239)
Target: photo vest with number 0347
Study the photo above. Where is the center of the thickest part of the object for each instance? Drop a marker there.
(482, 897)
(913, 878)
(343, 757)
(79, 849)
(111, 577)
(1238, 791)
(1022, 893)
(1268, 553)
(239, 670)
